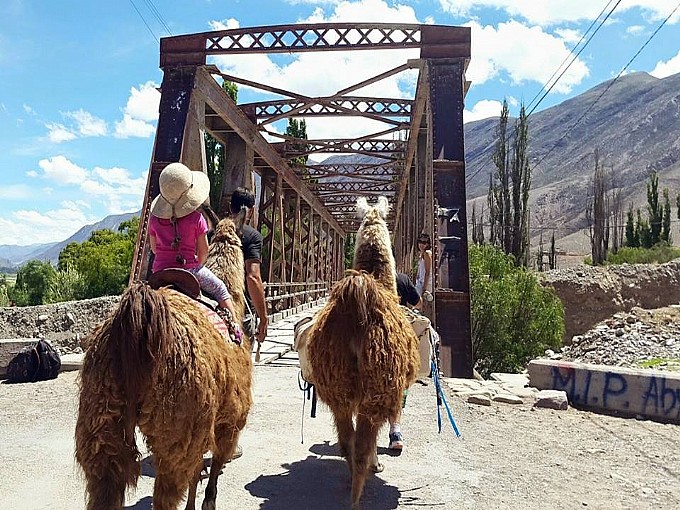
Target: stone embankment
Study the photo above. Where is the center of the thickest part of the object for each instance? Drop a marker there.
(593, 294)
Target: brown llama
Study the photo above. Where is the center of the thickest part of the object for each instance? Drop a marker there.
(158, 363)
(225, 259)
(363, 351)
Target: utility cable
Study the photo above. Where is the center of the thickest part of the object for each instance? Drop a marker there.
(574, 57)
(158, 16)
(611, 83)
(144, 21)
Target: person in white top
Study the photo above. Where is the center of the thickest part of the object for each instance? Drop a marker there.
(424, 276)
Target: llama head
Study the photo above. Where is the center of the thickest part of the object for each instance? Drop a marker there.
(382, 208)
(362, 207)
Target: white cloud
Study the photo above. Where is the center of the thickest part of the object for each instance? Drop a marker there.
(16, 192)
(667, 68)
(523, 53)
(87, 124)
(227, 24)
(141, 109)
(635, 30)
(133, 127)
(482, 110)
(28, 109)
(568, 35)
(62, 171)
(551, 12)
(31, 226)
(143, 102)
(58, 133)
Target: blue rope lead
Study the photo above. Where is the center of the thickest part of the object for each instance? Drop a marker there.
(440, 392)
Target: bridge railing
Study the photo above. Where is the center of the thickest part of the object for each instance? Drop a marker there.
(283, 296)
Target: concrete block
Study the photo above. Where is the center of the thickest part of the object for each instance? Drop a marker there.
(519, 380)
(652, 394)
(71, 362)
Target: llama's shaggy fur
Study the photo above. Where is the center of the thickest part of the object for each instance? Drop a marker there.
(158, 363)
(363, 352)
(373, 249)
(225, 259)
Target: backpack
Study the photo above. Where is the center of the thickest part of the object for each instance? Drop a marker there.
(37, 362)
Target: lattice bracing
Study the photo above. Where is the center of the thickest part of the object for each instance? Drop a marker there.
(287, 38)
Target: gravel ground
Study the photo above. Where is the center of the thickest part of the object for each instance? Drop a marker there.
(509, 457)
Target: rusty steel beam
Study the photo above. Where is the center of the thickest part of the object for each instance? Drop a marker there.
(378, 106)
(375, 146)
(437, 40)
(214, 96)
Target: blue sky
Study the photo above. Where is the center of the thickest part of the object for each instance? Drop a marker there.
(78, 99)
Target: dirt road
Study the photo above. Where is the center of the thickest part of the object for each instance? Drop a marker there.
(510, 457)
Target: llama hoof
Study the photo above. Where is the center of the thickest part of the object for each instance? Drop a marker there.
(377, 468)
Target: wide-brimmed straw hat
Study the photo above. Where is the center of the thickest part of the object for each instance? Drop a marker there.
(182, 192)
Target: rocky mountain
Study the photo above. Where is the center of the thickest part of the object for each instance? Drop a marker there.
(14, 256)
(633, 122)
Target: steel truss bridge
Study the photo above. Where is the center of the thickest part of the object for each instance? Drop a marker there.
(306, 211)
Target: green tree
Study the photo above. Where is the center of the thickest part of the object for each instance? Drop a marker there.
(643, 231)
(514, 318)
(32, 283)
(68, 256)
(666, 217)
(297, 130)
(215, 154)
(510, 187)
(501, 193)
(632, 234)
(101, 265)
(65, 285)
(654, 209)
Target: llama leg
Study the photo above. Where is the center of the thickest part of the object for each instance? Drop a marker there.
(191, 497)
(169, 487)
(227, 441)
(345, 429)
(365, 441)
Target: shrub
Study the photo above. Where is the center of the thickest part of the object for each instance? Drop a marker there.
(514, 318)
(658, 253)
(65, 285)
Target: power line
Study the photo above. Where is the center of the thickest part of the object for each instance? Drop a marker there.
(608, 86)
(576, 55)
(481, 166)
(145, 23)
(158, 16)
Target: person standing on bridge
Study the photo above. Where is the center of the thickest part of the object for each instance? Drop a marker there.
(242, 207)
(424, 278)
(178, 231)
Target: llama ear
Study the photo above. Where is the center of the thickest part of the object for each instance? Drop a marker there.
(362, 207)
(383, 207)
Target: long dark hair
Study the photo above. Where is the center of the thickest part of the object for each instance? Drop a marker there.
(425, 238)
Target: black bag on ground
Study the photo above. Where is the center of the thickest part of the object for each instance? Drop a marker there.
(37, 362)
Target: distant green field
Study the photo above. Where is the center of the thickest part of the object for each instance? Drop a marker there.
(10, 278)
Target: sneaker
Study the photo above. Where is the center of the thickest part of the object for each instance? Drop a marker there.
(396, 441)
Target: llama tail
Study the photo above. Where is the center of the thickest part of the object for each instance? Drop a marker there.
(117, 370)
(356, 294)
(139, 331)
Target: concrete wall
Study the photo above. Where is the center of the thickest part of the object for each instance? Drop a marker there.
(653, 394)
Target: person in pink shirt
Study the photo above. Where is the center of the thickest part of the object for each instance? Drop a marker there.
(178, 232)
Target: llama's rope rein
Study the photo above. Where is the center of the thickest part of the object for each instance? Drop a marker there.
(442, 398)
